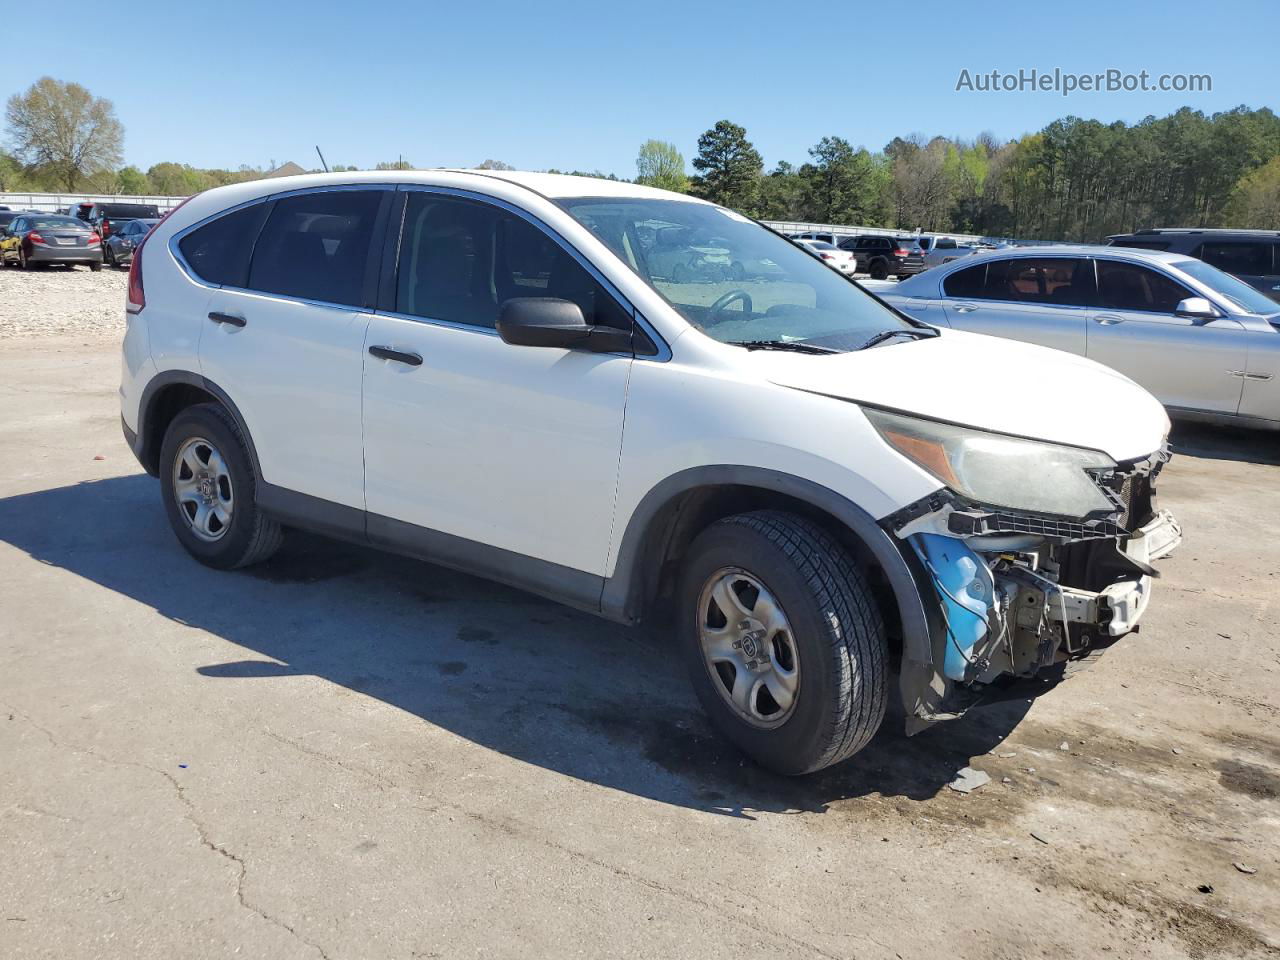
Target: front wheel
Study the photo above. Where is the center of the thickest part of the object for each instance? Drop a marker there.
(209, 485)
(783, 641)
(95, 267)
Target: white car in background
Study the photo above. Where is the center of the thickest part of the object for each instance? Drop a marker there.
(486, 370)
(828, 253)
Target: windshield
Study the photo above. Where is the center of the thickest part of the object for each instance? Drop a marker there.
(730, 277)
(1237, 291)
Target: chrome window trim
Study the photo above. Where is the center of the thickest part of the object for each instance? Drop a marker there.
(664, 351)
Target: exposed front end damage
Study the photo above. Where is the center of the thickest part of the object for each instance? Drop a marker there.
(1014, 594)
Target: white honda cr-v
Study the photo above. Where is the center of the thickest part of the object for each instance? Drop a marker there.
(634, 402)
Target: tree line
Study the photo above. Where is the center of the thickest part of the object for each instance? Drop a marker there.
(1075, 179)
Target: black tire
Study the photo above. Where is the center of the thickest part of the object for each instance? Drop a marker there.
(108, 256)
(837, 630)
(22, 260)
(95, 267)
(251, 536)
(903, 276)
(879, 270)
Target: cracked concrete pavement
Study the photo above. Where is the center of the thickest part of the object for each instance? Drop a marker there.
(343, 754)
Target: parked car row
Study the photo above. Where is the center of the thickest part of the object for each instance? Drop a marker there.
(30, 238)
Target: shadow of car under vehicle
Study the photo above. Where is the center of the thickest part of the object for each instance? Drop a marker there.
(534, 680)
(1212, 442)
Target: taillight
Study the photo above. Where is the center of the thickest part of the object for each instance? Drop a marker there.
(826, 256)
(106, 228)
(136, 298)
(94, 239)
(36, 238)
(902, 253)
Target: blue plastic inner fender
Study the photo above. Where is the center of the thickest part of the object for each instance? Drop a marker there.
(966, 591)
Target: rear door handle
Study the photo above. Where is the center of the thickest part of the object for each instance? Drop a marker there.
(400, 356)
(227, 318)
(964, 308)
(1107, 319)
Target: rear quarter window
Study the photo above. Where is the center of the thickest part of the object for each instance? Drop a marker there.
(219, 251)
(967, 283)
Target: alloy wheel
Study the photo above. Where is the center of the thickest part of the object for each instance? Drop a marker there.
(203, 490)
(749, 648)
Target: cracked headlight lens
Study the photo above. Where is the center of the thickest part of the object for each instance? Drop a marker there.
(997, 470)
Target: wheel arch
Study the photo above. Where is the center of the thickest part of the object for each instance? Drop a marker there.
(165, 396)
(670, 515)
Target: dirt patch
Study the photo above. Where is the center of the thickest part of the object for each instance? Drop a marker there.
(1249, 779)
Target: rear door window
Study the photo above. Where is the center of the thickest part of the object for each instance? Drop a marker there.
(1248, 258)
(315, 246)
(946, 243)
(1058, 280)
(219, 251)
(460, 260)
(1127, 286)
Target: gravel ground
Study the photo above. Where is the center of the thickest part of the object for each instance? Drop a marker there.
(62, 302)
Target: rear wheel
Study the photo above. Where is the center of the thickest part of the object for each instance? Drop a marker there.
(879, 270)
(95, 267)
(108, 255)
(784, 644)
(209, 488)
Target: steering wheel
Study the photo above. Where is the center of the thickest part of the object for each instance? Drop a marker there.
(716, 309)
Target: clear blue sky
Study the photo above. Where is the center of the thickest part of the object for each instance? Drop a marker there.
(581, 85)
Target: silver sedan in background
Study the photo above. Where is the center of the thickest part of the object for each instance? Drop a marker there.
(1206, 344)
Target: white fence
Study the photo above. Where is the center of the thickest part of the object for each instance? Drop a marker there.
(51, 202)
(843, 230)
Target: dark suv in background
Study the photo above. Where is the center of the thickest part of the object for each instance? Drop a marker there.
(1251, 255)
(103, 217)
(883, 257)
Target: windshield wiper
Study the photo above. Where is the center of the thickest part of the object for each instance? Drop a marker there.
(796, 346)
(915, 333)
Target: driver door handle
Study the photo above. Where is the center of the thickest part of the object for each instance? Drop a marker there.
(965, 307)
(1107, 319)
(227, 319)
(399, 356)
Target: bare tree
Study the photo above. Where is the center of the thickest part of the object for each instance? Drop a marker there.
(65, 130)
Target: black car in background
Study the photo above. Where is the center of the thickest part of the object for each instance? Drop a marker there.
(883, 257)
(38, 239)
(1251, 255)
(105, 217)
(117, 249)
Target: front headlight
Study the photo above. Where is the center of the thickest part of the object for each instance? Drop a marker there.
(997, 470)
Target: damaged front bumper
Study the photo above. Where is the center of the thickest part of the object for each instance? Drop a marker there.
(1020, 595)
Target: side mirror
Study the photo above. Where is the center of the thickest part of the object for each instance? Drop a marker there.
(551, 322)
(1196, 308)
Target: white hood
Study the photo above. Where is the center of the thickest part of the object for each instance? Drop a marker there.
(988, 383)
